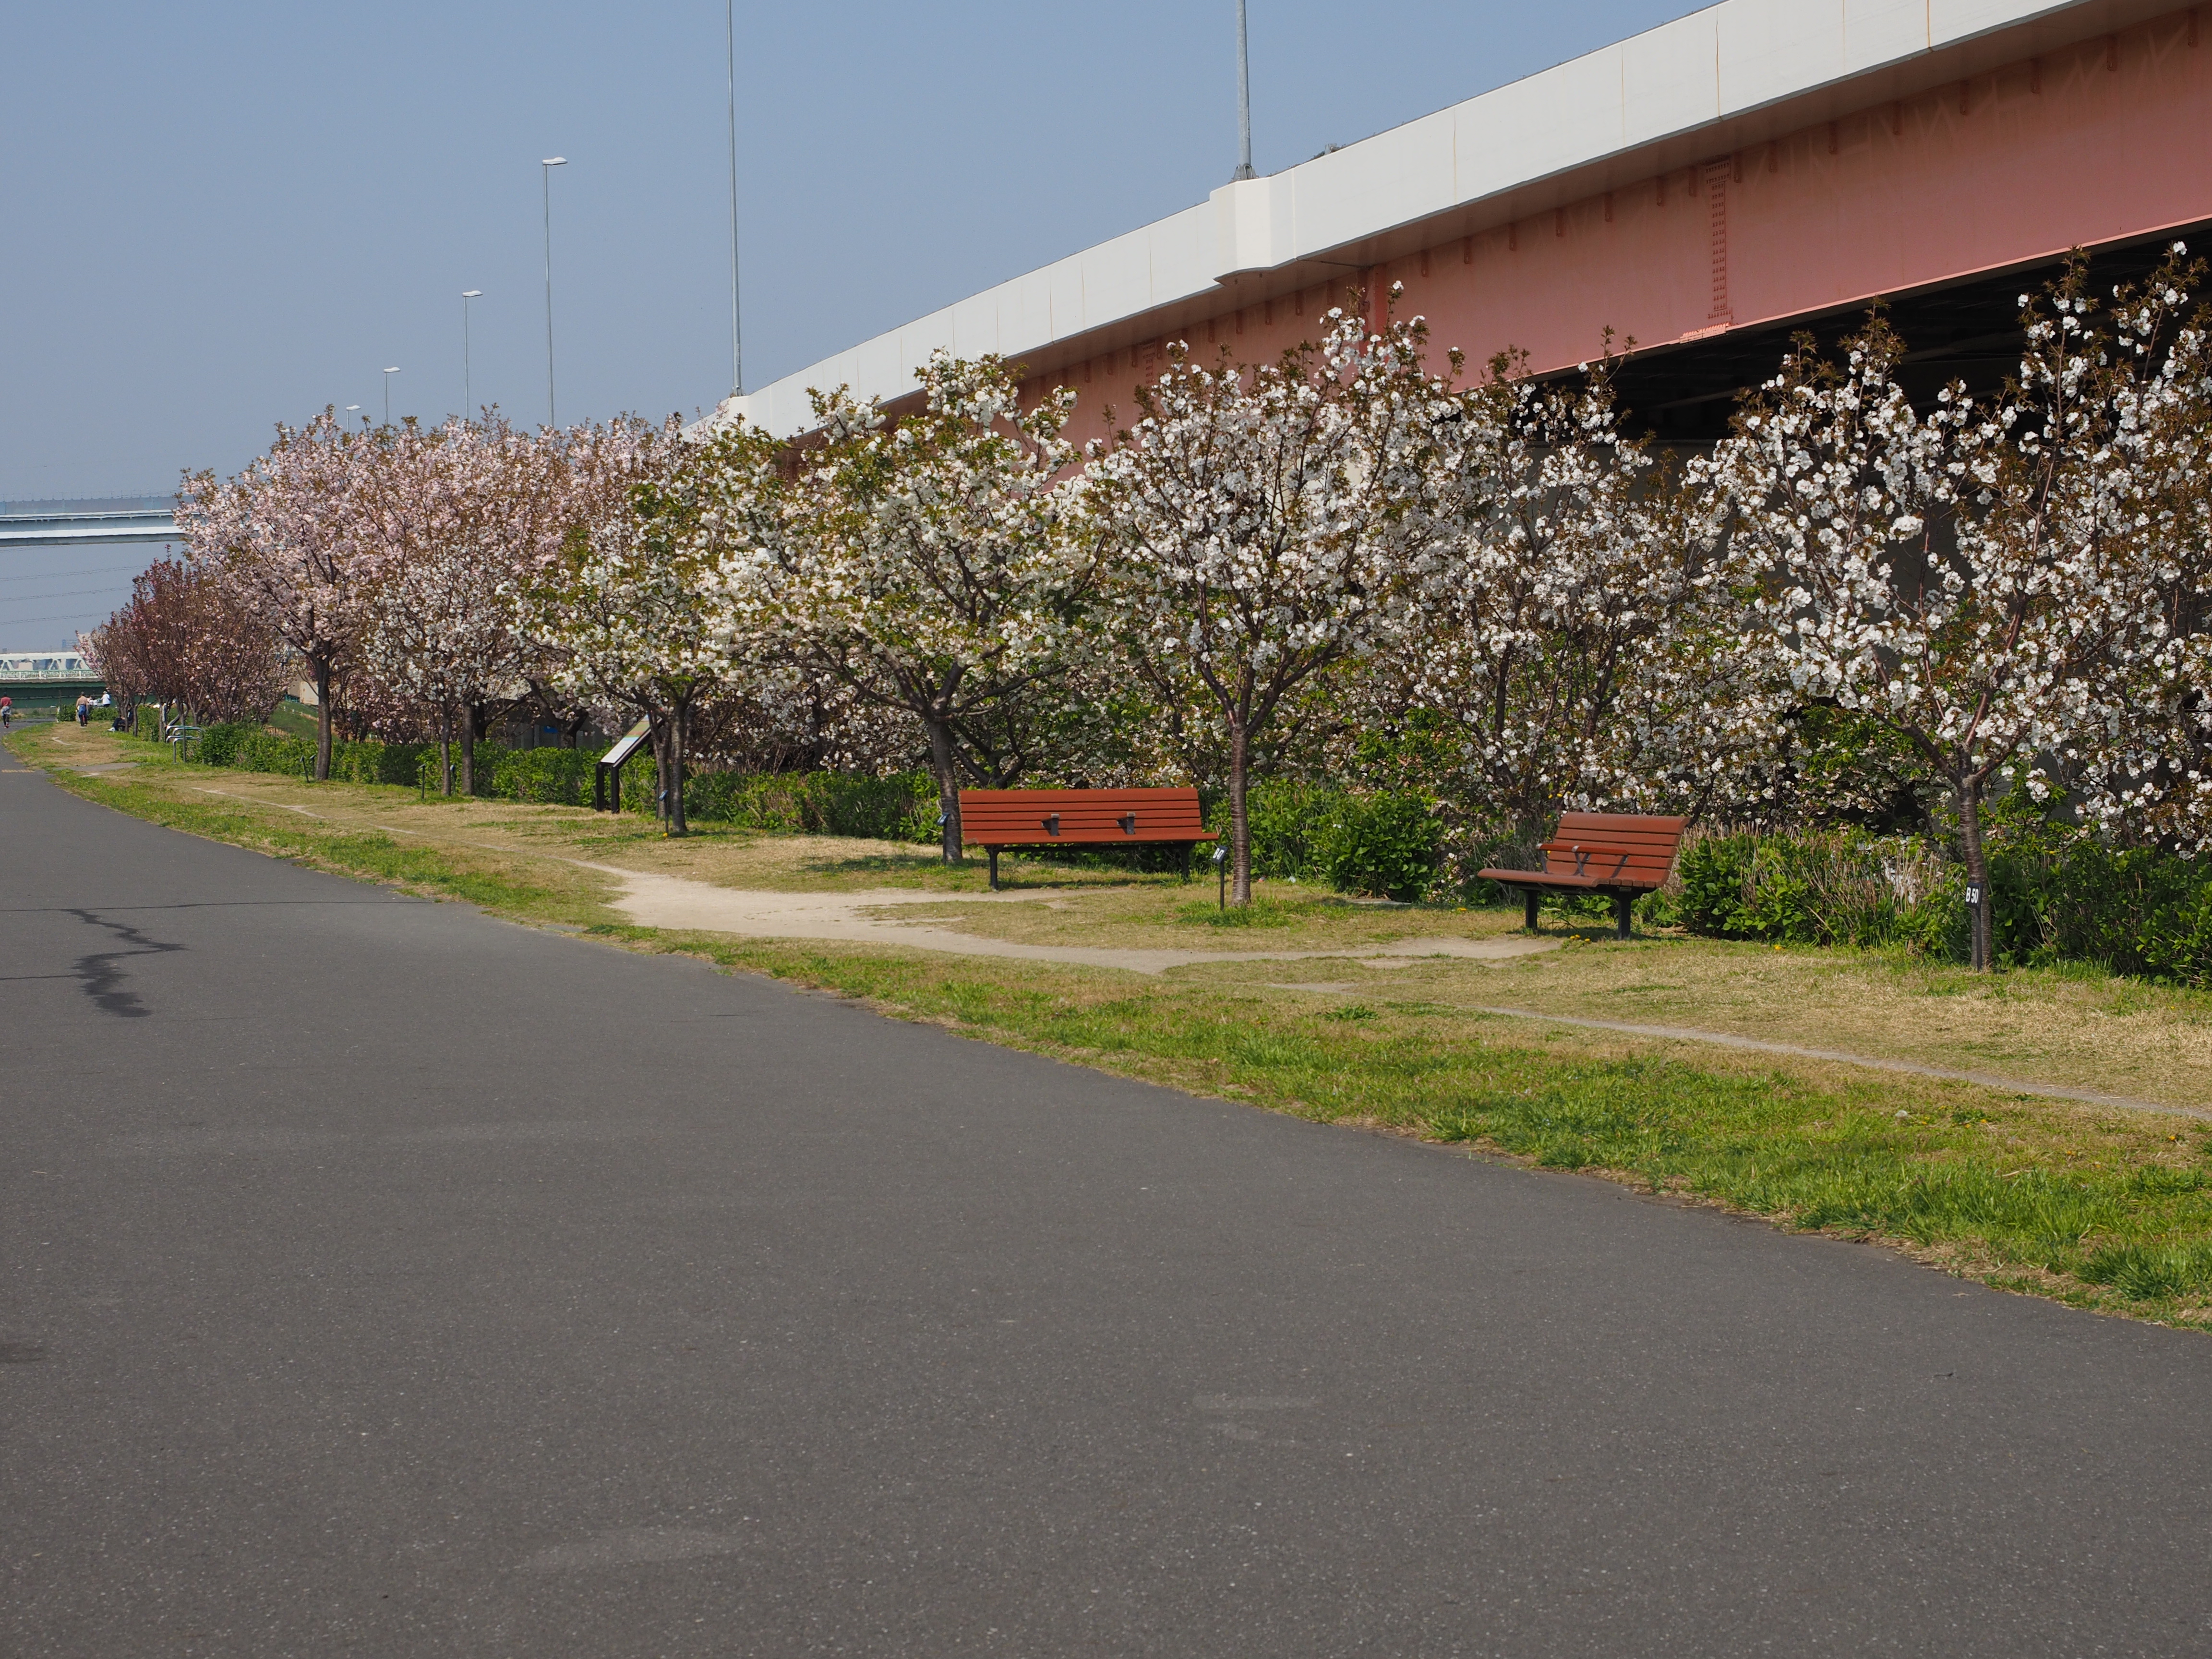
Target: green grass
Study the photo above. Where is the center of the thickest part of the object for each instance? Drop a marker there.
(2103, 1209)
(1262, 912)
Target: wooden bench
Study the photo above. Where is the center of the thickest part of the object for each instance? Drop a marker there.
(993, 819)
(1599, 853)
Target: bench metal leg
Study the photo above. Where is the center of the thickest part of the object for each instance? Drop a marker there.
(1529, 896)
(994, 869)
(1622, 903)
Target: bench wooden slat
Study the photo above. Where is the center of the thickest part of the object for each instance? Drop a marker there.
(1011, 817)
(1617, 853)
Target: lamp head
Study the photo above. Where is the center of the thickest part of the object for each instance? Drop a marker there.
(554, 161)
(471, 293)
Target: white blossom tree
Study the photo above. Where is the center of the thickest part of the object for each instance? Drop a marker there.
(629, 608)
(2147, 772)
(925, 564)
(1261, 524)
(1963, 576)
(1569, 651)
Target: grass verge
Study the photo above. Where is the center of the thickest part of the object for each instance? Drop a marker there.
(2102, 1209)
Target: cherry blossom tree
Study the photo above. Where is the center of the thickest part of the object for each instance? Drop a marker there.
(1261, 524)
(1967, 577)
(291, 538)
(1568, 651)
(181, 638)
(924, 565)
(462, 517)
(628, 609)
(2148, 771)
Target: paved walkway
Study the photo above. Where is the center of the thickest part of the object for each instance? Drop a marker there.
(653, 900)
(377, 1278)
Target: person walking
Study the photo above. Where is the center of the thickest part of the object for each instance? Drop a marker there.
(6, 712)
(83, 710)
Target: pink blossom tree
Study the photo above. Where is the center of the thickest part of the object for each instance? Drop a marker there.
(292, 537)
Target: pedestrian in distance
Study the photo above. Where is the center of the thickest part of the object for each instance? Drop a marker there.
(6, 712)
(84, 711)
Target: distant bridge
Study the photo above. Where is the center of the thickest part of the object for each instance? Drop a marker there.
(99, 518)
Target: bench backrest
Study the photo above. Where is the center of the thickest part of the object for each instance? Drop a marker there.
(1634, 850)
(1019, 817)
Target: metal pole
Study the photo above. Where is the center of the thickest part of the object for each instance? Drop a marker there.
(468, 381)
(1243, 100)
(545, 173)
(737, 335)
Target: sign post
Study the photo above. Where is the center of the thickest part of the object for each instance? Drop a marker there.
(611, 767)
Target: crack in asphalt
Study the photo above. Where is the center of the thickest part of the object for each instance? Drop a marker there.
(98, 974)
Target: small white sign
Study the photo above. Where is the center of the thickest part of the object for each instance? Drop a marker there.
(626, 745)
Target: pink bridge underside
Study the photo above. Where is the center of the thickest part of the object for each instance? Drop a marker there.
(2108, 140)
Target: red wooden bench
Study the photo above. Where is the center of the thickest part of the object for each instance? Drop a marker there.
(993, 819)
(1599, 853)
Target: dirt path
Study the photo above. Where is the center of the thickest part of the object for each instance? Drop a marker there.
(672, 901)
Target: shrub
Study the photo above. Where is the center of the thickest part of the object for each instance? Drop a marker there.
(1379, 841)
(2059, 894)
(903, 807)
(1366, 841)
(1817, 887)
(218, 744)
(556, 777)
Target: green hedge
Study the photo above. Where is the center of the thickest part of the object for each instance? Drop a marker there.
(1357, 841)
(2059, 894)
(255, 749)
(898, 808)
(901, 808)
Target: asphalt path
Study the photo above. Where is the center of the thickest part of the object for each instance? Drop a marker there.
(381, 1278)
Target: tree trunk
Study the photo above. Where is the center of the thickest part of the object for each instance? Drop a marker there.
(445, 752)
(322, 667)
(1240, 821)
(679, 719)
(948, 787)
(656, 737)
(468, 756)
(1977, 873)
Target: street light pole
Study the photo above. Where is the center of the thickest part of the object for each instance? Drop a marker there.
(737, 335)
(545, 172)
(388, 374)
(468, 383)
(1243, 100)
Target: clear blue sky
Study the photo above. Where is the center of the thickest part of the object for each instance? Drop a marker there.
(225, 215)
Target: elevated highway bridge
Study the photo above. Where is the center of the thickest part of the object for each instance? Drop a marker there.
(1703, 190)
(95, 519)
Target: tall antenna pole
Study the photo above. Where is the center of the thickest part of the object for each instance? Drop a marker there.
(1243, 100)
(545, 172)
(468, 381)
(737, 335)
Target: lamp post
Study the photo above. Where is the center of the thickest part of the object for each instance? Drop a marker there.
(388, 374)
(1243, 100)
(737, 336)
(353, 409)
(545, 173)
(468, 385)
